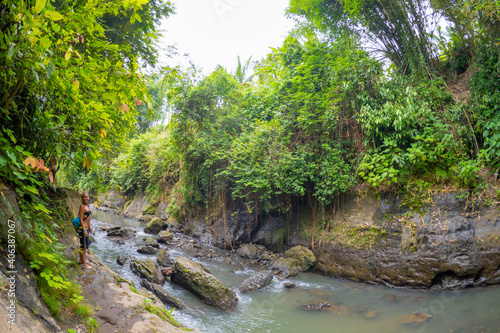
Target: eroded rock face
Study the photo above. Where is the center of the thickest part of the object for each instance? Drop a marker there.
(163, 258)
(257, 281)
(148, 270)
(305, 257)
(155, 226)
(448, 246)
(201, 282)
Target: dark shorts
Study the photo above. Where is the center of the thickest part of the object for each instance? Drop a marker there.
(84, 240)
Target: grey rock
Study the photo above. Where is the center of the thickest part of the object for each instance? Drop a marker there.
(201, 282)
(248, 251)
(164, 236)
(125, 233)
(151, 242)
(147, 269)
(257, 281)
(147, 250)
(319, 304)
(163, 258)
(163, 295)
(121, 259)
(155, 226)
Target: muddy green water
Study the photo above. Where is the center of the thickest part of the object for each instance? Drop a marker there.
(276, 309)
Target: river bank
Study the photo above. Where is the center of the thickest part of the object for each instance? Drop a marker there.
(451, 242)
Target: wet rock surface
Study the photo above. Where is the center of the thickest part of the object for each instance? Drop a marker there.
(285, 267)
(201, 282)
(163, 258)
(315, 305)
(416, 318)
(147, 250)
(164, 236)
(121, 259)
(256, 281)
(305, 258)
(148, 270)
(155, 226)
(449, 246)
(124, 233)
(163, 295)
(151, 242)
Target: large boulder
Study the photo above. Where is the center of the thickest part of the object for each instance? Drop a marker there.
(148, 270)
(163, 295)
(155, 226)
(201, 282)
(164, 236)
(248, 251)
(305, 258)
(163, 258)
(285, 267)
(257, 281)
(125, 233)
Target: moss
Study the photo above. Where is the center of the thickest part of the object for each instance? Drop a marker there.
(150, 209)
(161, 312)
(358, 237)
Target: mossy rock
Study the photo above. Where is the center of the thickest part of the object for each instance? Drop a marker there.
(200, 281)
(286, 267)
(164, 236)
(305, 257)
(155, 226)
(148, 270)
(150, 209)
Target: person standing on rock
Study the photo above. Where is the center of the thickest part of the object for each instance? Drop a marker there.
(85, 229)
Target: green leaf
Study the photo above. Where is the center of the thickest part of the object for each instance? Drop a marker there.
(53, 15)
(3, 161)
(40, 4)
(10, 51)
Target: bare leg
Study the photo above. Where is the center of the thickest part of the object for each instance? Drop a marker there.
(85, 265)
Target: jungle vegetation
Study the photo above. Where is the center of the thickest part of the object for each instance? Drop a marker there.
(402, 95)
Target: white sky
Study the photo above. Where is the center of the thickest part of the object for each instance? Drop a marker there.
(215, 32)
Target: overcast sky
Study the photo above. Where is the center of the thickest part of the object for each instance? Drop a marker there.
(215, 32)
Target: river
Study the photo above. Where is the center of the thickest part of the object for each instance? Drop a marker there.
(277, 309)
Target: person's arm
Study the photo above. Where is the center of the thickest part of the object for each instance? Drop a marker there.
(80, 215)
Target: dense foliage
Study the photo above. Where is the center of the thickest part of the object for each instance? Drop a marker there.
(320, 114)
(70, 85)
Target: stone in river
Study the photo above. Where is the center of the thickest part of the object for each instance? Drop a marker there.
(125, 233)
(416, 318)
(151, 242)
(163, 258)
(257, 281)
(148, 269)
(319, 292)
(164, 236)
(147, 250)
(155, 226)
(371, 314)
(121, 259)
(200, 281)
(318, 304)
(163, 295)
(289, 285)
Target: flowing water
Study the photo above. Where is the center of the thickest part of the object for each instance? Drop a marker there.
(277, 309)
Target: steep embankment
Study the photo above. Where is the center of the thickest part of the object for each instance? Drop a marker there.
(452, 242)
(117, 307)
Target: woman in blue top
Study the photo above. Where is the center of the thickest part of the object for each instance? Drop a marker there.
(84, 230)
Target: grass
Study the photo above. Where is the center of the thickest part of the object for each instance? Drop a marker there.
(162, 313)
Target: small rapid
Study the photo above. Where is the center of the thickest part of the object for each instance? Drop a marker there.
(278, 309)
